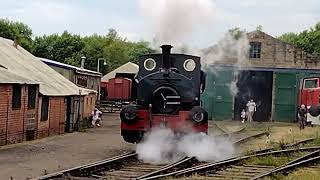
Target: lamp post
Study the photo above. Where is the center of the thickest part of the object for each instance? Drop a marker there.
(83, 58)
(98, 69)
(104, 63)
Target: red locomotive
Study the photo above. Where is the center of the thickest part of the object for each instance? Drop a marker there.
(168, 94)
(309, 95)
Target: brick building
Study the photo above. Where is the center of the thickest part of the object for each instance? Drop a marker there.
(17, 108)
(58, 104)
(270, 74)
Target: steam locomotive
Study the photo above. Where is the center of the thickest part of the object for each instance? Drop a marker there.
(168, 95)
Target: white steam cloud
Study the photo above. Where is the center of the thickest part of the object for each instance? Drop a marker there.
(162, 146)
(233, 48)
(174, 21)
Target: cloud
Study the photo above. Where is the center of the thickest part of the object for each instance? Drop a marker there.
(94, 16)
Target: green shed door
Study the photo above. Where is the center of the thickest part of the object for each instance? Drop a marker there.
(285, 97)
(220, 100)
(208, 94)
(223, 100)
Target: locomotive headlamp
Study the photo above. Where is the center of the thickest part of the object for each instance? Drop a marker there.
(149, 64)
(189, 65)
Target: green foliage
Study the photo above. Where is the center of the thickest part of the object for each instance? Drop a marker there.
(68, 48)
(16, 31)
(58, 47)
(259, 28)
(236, 32)
(308, 40)
(269, 160)
(115, 50)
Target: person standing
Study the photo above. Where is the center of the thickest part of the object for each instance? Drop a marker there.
(251, 109)
(243, 115)
(302, 116)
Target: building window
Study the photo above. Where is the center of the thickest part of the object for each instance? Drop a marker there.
(16, 96)
(44, 108)
(255, 49)
(32, 94)
(82, 81)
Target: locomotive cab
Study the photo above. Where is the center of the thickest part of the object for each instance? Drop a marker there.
(168, 94)
(310, 96)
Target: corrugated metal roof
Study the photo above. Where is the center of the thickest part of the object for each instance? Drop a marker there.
(67, 66)
(7, 77)
(129, 67)
(18, 60)
(88, 91)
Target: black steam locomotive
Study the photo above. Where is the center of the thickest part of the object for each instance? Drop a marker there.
(168, 94)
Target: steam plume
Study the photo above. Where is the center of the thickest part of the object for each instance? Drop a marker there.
(174, 21)
(161, 146)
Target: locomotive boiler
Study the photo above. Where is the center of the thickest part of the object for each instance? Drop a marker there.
(168, 95)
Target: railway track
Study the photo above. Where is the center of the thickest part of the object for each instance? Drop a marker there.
(311, 160)
(236, 168)
(128, 166)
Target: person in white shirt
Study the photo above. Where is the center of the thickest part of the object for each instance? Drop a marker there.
(251, 109)
(96, 117)
(243, 115)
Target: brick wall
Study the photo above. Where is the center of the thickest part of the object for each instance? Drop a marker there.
(89, 104)
(43, 126)
(13, 122)
(4, 95)
(56, 118)
(275, 54)
(57, 115)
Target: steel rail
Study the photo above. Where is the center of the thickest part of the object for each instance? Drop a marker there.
(311, 157)
(245, 139)
(87, 166)
(228, 134)
(216, 165)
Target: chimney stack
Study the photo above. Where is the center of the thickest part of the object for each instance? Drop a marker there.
(166, 59)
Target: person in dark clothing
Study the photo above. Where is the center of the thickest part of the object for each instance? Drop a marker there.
(302, 116)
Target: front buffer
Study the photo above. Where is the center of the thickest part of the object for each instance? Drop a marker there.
(136, 122)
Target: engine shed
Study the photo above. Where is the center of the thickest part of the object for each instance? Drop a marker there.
(271, 77)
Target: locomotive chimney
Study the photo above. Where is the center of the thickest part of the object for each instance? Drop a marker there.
(166, 60)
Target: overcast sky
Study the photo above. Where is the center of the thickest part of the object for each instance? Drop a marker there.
(97, 16)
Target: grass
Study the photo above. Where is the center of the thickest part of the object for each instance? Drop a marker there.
(280, 136)
(303, 174)
(315, 142)
(269, 160)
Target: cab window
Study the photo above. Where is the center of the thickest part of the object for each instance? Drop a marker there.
(310, 83)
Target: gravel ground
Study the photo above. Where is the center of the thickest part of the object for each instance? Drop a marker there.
(35, 158)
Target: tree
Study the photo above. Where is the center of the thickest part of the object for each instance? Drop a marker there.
(308, 40)
(68, 48)
(259, 28)
(17, 31)
(58, 47)
(289, 37)
(236, 32)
